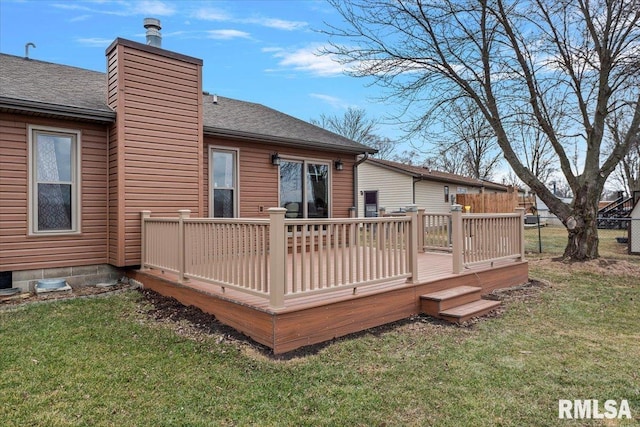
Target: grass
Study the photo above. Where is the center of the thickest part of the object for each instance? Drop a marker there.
(553, 240)
(104, 362)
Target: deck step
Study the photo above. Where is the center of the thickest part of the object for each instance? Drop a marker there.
(465, 312)
(435, 302)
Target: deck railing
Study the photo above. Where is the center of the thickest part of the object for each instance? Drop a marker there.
(346, 253)
(280, 259)
(486, 238)
(436, 233)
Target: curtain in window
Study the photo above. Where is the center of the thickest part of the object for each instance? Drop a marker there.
(54, 196)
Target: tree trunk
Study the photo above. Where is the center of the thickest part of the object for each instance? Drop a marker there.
(582, 226)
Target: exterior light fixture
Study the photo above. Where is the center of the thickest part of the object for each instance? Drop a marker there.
(275, 159)
(339, 165)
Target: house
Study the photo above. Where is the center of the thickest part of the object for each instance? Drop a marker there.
(83, 152)
(392, 186)
(230, 206)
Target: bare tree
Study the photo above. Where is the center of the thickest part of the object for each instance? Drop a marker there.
(472, 138)
(447, 158)
(355, 125)
(576, 59)
(535, 151)
(627, 174)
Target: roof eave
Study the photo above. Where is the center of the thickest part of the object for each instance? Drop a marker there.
(66, 111)
(429, 177)
(288, 142)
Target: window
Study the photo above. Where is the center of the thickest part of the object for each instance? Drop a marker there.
(54, 158)
(446, 194)
(304, 189)
(224, 194)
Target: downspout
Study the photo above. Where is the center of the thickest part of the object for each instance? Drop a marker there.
(415, 181)
(355, 180)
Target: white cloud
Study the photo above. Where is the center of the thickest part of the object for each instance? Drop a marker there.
(271, 49)
(228, 34)
(278, 24)
(333, 101)
(308, 60)
(146, 7)
(218, 15)
(94, 42)
(80, 18)
(211, 14)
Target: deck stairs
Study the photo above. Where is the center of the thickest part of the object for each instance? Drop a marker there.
(457, 305)
(609, 216)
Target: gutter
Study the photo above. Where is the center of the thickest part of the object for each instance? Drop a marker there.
(34, 107)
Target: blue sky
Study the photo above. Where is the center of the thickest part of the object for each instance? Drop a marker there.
(257, 51)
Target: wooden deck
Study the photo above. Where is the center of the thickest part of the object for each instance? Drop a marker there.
(322, 317)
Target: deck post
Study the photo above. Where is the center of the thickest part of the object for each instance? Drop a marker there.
(421, 229)
(412, 212)
(143, 237)
(277, 257)
(521, 232)
(183, 214)
(456, 238)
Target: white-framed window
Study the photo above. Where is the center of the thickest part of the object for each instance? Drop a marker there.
(304, 188)
(223, 182)
(54, 180)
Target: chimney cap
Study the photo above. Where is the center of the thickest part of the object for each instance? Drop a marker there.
(151, 23)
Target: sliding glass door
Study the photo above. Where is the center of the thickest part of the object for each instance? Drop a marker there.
(304, 188)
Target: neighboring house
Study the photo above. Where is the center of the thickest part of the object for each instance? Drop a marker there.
(82, 153)
(546, 216)
(393, 186)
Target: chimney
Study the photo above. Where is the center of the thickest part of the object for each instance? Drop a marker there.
(154, 38)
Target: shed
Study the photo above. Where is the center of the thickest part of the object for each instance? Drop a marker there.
(634, 229)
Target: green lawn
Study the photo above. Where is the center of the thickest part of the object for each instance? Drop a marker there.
(106, 362)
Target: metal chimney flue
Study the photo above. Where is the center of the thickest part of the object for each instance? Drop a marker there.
(154, 38)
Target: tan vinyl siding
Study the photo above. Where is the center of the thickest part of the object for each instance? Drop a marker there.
(158, 149)
(259, 178)
(430, 196)
(18, 251)
(395, 189)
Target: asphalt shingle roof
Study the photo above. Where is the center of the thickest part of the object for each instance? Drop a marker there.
(55, 84)
(33, 83)
(230, 116)
(426, 173)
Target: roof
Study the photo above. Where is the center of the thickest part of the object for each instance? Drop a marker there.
(228, 117)
(423, 173)
(44, 88)
(39, 87)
